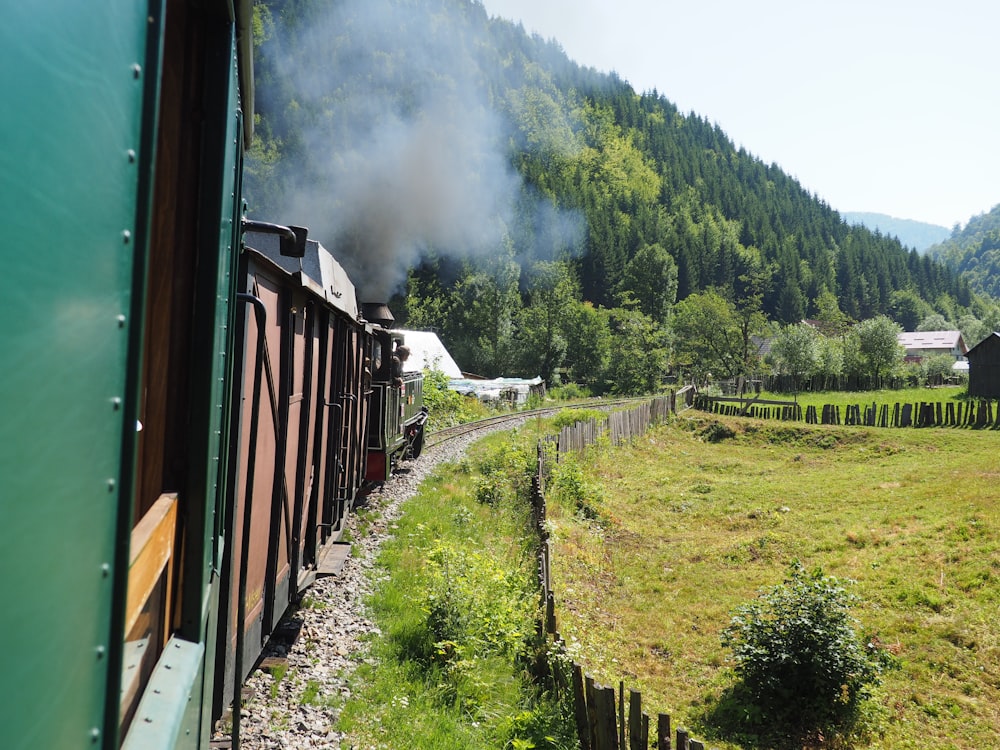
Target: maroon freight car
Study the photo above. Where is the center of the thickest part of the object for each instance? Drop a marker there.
(318, 409)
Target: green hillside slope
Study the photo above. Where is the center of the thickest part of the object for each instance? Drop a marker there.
(974, 252)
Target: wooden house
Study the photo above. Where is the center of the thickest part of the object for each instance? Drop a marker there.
(984, 367)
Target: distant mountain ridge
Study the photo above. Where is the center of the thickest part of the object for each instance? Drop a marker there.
(916, 234)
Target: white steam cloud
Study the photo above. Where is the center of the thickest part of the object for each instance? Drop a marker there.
(406, 154)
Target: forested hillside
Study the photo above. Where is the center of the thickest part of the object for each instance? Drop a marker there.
(544, 217)
(974, 252)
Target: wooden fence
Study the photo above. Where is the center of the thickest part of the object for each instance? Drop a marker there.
(606, 719)
(971, 414)
(619, 426)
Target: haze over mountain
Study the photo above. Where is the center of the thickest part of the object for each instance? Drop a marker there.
(914, 234)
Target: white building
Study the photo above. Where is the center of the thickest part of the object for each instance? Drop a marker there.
(920, 344)
(428, 353)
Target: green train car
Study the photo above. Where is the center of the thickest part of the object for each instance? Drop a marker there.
(121, 140)
(192, 402)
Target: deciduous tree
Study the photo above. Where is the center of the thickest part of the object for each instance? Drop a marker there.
(638, 356)
(878, 344)
(796, 351)
(650, 278)
(707, 335)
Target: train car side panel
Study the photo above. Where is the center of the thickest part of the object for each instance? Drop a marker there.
(75, 86)
(353, 407)
(259, 480)
(303, 547)
(324, 458)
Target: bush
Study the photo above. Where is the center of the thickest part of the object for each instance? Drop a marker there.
(569, 487)
(569, 392)
(445, 407)
(569, 417)
(477, 606)
(803, 670)
(506, 475)
(716, 432)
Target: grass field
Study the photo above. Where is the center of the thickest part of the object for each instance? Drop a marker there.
(686, 529)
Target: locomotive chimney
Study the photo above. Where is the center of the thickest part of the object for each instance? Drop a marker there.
(377, 312)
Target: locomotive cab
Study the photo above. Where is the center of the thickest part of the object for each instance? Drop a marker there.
(398, 414)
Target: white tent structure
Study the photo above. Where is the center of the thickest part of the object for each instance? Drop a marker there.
(513, 390)
(428, 353)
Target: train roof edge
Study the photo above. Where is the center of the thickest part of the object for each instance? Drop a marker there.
(317, 271)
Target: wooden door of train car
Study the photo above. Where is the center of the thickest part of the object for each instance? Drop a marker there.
(299, 416)
(351, 396)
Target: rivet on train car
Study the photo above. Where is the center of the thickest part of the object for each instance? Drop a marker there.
(121, 321)
(116, 403)
(126, 236)
(100, 652)
(95, 734)
(136, 71)
(105, 570)
(131, 156)
(111, 485)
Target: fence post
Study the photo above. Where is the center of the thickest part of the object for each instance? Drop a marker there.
(635, 720)
(580, 708)
(663, 731)
(590, 690)
(682, 740)
(621, 714)
(606, 735)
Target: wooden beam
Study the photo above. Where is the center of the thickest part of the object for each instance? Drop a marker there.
(152, 546)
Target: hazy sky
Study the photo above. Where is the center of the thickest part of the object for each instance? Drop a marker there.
(891, 106)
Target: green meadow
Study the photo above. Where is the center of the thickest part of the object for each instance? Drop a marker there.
(658, 542)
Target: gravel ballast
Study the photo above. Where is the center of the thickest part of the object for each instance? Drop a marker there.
(333, 628)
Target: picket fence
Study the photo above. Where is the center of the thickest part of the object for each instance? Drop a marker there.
(606, 719)
(971, 414)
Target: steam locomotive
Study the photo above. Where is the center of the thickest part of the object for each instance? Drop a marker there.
(192, 402)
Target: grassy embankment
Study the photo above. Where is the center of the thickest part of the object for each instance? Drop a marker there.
(457, 604)
(699, 515)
